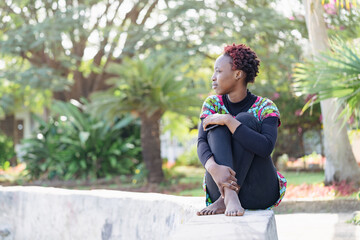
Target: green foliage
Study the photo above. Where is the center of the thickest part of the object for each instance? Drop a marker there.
(179, 126)
(154, 84)
(140, 174)
(6, 150)
(75, 145)
(15, 97)
(342, 22)
(293, 123)
(356, 219)
(298, 178)
(335, 74)
(189, 158)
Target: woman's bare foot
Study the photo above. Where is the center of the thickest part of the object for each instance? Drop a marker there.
(218, 207)
(232, 203)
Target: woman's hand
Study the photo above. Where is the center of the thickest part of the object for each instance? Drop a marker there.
(224, 177)
(219, 119)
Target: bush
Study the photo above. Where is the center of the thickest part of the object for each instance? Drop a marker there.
(189, 158)
(76, 145)
(6, 151)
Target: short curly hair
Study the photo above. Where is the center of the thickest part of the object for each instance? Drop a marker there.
(243, 58)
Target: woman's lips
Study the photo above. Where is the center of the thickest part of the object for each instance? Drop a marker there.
(214, 86)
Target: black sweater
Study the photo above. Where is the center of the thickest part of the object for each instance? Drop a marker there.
(261, 144)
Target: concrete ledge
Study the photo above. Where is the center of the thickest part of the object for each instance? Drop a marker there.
(54, 213)
(258, 224)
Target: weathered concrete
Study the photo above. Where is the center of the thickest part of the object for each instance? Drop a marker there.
(54, 213)
(317, 226)
(253, 225)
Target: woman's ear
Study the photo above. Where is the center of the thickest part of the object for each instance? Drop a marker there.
(239, 74)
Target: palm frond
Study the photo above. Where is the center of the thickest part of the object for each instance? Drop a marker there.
(335, 74)
(147, 86)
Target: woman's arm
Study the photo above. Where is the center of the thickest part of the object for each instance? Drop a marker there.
(262, 143)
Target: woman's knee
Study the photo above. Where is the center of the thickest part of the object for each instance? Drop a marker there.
(219, 133)
(249, 120)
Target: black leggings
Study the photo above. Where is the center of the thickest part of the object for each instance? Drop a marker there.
(256, 176)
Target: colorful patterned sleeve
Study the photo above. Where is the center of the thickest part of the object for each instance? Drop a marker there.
(269, 109)
(212, 104)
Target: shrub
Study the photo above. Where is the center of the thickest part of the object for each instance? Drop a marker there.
(76, 145)
(6, 151)
(189, 158)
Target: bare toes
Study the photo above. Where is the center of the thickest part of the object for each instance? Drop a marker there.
(200, 213)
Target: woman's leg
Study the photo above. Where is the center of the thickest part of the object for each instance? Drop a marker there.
(219, 140)
(225, 152)
(242, 157)
(257, 177)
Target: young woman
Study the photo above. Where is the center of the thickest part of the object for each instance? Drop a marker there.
(236, 137)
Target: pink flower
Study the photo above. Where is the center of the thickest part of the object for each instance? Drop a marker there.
(330, 8)
(275, 96)
(351, 120)
(299, 130)
(310, 96)
(291, 18)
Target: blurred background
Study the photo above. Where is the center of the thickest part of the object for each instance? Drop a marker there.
(107, 94)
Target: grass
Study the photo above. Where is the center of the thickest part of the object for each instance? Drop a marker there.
(298, 178)
(194, 175)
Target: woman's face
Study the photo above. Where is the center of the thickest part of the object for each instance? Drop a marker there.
(224, 79)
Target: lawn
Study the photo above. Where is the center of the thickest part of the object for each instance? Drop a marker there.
(194, 175)
(298, 178)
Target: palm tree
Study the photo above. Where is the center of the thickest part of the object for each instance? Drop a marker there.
(147, 88)
(335, 75)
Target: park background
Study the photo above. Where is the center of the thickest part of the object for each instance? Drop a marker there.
(79, 80)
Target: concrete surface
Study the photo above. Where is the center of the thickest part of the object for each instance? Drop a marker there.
(316, 226)
(253, 225)
(38, 213)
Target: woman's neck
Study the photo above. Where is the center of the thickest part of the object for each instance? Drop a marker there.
(237, 96)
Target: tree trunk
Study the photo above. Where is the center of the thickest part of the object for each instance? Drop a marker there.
(150, 143)
(340, 161)
(9, 128)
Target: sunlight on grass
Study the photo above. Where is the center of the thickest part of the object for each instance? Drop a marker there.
(197, 192)
(194, 175)
(298, 178)
(190, 170)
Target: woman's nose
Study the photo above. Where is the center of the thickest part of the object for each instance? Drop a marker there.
(213, 78)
